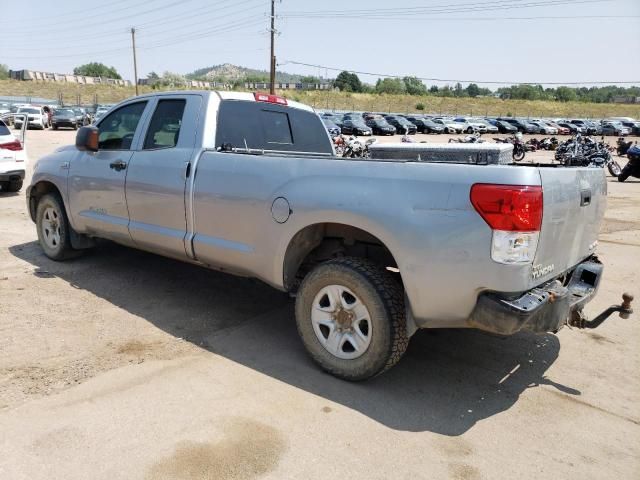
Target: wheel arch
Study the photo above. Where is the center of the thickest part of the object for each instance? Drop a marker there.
(37, 191)
(318, 242)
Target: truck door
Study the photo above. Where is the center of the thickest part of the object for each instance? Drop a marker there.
(158, 174)
(96, 180)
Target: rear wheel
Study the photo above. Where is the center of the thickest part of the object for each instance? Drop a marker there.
(624, 174)
(53, 228)
(351, 318)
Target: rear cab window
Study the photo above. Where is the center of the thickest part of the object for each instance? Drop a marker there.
(3, 129)
(271, 127)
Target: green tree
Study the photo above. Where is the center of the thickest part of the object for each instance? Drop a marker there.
(4, 71)
(458, 91)
(566, 94)
(96, 70)
(414, 86)
(433, 89)
(153, 76)
(348, 82)
(390, 85)
(473, 90)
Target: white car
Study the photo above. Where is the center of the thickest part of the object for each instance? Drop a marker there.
(544, 127)
(37, 117)
(449, 125)
(13, 158)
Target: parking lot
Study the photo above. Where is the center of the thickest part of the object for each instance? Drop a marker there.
(126, 365)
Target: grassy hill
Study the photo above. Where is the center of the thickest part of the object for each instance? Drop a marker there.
(326, 100)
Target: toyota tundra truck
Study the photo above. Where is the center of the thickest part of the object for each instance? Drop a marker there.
(373, 249)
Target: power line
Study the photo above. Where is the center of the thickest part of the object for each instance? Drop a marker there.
(148, 32)
(435, 10)
(502, 82)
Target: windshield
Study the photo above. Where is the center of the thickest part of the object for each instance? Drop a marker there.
(28, 110)
(64, 113)
(328, 122)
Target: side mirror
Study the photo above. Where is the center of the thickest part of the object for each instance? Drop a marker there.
(87, 139)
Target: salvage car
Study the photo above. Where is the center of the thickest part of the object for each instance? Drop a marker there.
(13, 156)
(453, 236)
(64, 118)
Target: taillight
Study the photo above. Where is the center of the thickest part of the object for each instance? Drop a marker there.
(514, 213)
(14, 146)
(265, 97)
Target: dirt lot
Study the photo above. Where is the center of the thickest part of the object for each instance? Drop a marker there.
(125, 365)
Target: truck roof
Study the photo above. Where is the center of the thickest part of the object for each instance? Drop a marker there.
(226, 95)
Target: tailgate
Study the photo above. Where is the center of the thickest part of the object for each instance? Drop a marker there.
(574, 204)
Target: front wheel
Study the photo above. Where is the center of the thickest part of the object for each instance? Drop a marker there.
(351, 318)
(614, 168)
(53, 228)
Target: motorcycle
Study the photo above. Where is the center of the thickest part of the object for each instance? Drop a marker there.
(354, 148)
(519, 148)
(632, 168)
(474, 138)
(586, 152)
(623, 147)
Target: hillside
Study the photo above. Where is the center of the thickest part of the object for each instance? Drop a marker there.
(230, 73)
(330, 100)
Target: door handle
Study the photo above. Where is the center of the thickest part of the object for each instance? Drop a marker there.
(118, 165)
(187, 170)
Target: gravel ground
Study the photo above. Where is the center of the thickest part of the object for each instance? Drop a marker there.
(125, 365)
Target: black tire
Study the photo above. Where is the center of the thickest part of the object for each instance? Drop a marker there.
(55, 127)
(384, 300)
(518, 153)
(62, 250)
(470, 130)
(623, 175)
(14, 186)
(614, 168)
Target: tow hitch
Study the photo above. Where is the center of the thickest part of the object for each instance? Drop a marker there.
(579, 319)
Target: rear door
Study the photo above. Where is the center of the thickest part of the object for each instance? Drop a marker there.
(96, 180)
(158, 173)
(574, 205)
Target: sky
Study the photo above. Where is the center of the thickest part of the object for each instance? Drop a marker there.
(512, 41)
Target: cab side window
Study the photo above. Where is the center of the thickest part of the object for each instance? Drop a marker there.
(118, 128)
(164, 128)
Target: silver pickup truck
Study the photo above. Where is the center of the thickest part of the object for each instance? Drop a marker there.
(372, 248)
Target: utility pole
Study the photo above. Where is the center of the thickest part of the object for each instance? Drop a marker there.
(272, 76)
(135, 62)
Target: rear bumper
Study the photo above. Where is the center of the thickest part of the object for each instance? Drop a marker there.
(12, 175)
(545, 308)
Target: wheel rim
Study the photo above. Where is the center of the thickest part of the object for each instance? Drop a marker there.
(341, 322)
(51, 227)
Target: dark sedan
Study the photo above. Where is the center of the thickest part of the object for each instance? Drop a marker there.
(521, 125)
(380, 126)
(419, 122)
(504, 127)
(64, 118)
(354, 127)
(402, 124)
